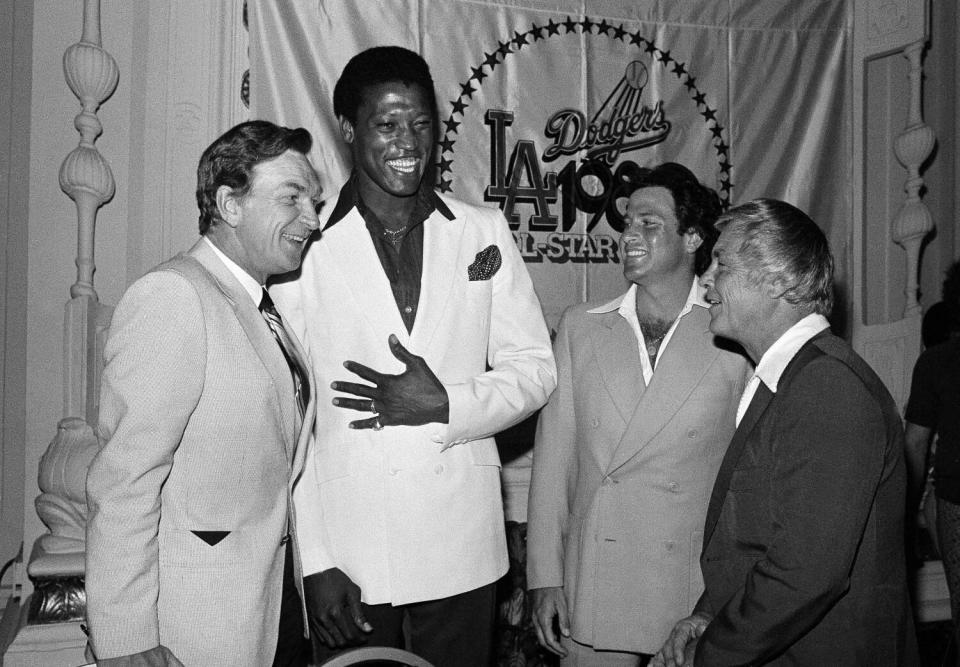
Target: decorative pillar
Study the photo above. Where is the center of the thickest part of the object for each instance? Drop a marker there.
(52, 634)
(912, 147)
(85, 175)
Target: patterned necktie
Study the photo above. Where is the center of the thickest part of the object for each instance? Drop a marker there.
(300, 382)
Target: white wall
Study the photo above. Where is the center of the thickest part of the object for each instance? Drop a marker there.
(16, 33)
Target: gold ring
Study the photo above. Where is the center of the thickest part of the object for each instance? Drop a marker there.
(377, 426)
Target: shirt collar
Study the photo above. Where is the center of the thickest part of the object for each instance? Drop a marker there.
(250, 285)
(350, 198)
(775, 360)
(628, 302)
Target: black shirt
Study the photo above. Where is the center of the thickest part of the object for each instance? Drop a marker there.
(935, 403)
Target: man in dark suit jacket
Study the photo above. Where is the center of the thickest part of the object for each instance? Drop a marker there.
(803, 558)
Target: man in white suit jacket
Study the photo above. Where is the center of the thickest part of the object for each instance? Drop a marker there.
(628, 448)
(402, 507)
(205, 412)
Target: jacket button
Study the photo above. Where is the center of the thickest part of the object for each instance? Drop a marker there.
(674, 487)
(692, 433)
(394, 471)
(595, 423)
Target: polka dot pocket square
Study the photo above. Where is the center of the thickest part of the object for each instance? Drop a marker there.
(485, 264)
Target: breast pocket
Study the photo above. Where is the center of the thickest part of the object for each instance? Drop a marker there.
(484, 453)
(747, 507)
(186, 548)
(746, 479)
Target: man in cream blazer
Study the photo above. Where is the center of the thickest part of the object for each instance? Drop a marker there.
(204, 420)
(429, 302)
(628, 447)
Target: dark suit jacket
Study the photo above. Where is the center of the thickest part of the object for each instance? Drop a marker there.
(803, 557)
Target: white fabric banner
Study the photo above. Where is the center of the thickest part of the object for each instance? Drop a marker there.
(546, 106)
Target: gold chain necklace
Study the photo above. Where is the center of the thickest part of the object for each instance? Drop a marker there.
(395, 235)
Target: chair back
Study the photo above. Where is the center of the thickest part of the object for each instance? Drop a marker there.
(367, 654)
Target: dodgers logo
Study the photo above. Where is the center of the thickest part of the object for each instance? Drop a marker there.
(579, 167)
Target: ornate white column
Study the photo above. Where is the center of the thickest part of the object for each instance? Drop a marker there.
(912, 147)
(85, 175)
(52, 634)
(57, 561)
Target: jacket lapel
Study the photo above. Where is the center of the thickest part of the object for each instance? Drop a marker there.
(615, 348)
(441, 261)
(758, 405)
(761, 400)
(347, 247)
(688, 356)
(305, 428)
(259, 335)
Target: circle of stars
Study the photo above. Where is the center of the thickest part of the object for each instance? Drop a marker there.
(536, 33)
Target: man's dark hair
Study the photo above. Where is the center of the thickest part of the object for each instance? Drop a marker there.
(381, 64)
(230, 160)
(697, 206)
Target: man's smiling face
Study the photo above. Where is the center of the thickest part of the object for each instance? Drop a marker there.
(651, 247)
(392, 141)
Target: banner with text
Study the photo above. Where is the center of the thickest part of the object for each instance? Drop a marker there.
(547, 108)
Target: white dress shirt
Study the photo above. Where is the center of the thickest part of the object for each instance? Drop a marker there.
(252, 287)
(627, 307)
(775, 360)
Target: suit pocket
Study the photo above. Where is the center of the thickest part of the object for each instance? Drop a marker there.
(211, 537)
(334, 464)
(484, 453)
(485, 265)
(187, 548)
(746, 479)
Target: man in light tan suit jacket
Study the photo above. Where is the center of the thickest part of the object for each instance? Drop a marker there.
(205, 411)
(629, 445)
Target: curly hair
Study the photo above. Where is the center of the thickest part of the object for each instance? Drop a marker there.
(381, 64)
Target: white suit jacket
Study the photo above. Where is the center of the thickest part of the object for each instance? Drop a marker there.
(622, 474)
(415, 513)
(190, 495)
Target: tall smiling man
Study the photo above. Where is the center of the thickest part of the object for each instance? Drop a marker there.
(628, 446)
(803, 544)
(427, 301)
(205, 413)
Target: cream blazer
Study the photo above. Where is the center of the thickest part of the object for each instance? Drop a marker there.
(190, 495)
(622, 475)
(415, 513)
